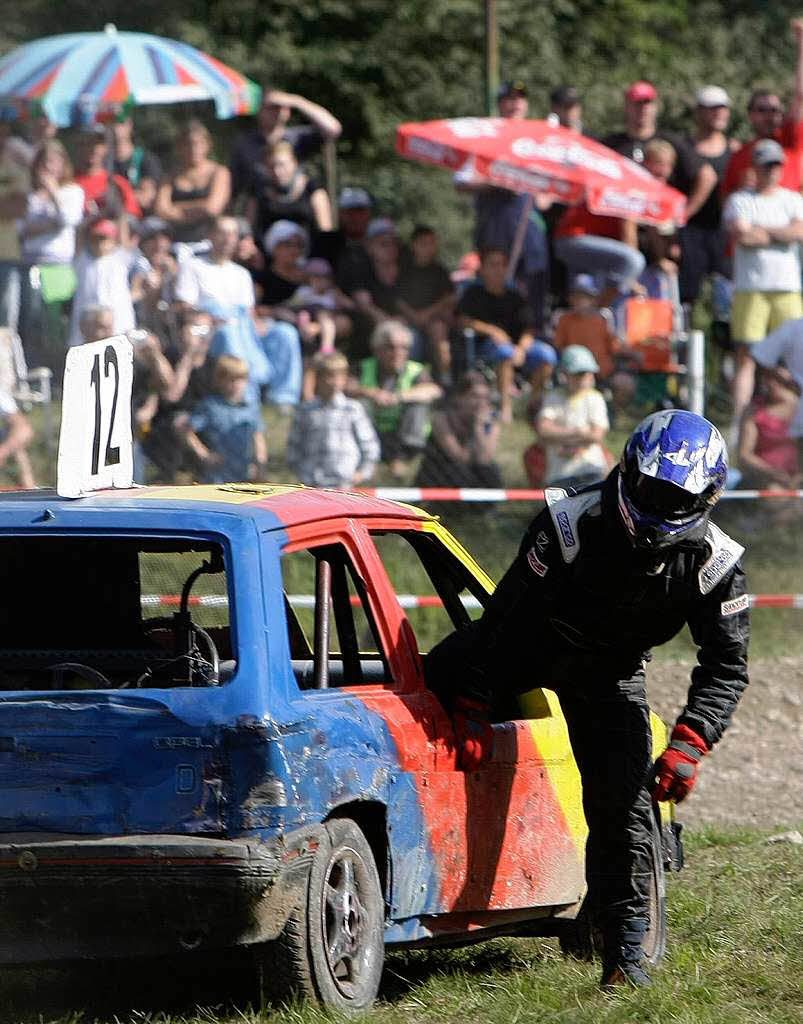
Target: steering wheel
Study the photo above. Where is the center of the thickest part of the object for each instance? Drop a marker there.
(213, 659)
(92, 675)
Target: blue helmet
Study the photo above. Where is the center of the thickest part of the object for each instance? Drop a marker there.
(672, 473)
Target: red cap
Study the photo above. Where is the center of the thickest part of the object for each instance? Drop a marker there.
(105, 228)
(639, 92)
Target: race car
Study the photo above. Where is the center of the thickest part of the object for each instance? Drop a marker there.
(216, 733)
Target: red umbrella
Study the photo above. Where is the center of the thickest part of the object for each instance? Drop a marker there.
(544, 159)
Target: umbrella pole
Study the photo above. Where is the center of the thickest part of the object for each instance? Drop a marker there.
(330, 171)
(491, 57)
(518, 238)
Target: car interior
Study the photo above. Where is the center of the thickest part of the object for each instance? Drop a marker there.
(333, 639)
(84, 612)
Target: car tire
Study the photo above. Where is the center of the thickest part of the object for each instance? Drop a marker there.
(581, 940)
(332, 946)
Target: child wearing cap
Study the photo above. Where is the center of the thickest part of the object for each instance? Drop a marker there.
(102, 271)
(584, 324)
(573, 422)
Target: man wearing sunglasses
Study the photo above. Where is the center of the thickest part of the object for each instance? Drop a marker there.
(603, 575)
(769, 120)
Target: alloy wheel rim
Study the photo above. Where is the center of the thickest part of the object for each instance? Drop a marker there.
(345, 922)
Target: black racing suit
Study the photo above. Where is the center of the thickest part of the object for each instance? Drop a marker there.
(578, 612)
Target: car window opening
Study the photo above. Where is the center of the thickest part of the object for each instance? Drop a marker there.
(114, 613)
(335, 642)
(430, 570)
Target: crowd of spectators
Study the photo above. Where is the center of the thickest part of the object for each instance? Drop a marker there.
(243, 282)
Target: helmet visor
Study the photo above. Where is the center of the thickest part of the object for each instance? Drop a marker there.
(663, 500)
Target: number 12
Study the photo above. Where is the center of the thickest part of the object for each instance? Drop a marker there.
(112, 454)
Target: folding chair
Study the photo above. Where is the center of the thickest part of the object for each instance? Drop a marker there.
(650, 333)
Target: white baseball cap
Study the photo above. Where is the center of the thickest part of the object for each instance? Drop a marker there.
(712, 96)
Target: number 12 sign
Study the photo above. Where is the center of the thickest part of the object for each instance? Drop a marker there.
(95, 445)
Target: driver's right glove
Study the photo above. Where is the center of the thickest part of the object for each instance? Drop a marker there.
(675, 771)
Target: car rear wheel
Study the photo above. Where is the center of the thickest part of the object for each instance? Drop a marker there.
(582, 940)
(332, 947)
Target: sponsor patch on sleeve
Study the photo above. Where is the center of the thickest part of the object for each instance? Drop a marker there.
(566, 530)
(536, 564)
(736, 604)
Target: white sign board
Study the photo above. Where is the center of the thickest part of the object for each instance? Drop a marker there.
(95, 444)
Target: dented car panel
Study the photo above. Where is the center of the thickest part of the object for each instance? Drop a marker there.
(180, 807)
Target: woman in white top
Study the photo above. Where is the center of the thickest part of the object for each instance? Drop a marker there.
(55, 208)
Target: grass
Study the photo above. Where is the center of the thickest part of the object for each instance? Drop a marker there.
(735, 958)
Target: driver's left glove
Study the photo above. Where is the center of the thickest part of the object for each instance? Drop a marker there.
(675, 771)
(475, 738)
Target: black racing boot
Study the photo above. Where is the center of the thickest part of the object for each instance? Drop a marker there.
(625, 967)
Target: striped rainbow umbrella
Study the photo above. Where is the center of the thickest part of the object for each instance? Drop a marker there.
(81, 77)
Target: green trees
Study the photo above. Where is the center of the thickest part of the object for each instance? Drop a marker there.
(376, 63)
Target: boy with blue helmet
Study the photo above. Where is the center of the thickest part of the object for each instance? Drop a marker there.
(603, 575)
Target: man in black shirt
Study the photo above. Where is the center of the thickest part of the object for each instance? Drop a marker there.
(426, 297)
(703, 240)
(191, 382)
(345, 246)
(502, 322)
(693, 175)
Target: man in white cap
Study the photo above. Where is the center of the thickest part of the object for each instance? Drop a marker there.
(765, 224)
(703, 241)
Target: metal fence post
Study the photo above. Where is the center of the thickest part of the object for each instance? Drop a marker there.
(696, 372)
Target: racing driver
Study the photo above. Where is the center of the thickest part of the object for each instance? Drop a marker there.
(604, 574)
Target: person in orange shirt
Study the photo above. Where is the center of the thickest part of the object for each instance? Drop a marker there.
(584, 324)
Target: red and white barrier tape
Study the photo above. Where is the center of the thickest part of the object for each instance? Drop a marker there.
(413, 494)
(174, 600)
(417, 601)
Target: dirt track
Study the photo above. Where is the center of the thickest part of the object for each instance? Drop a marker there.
(755, 774)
